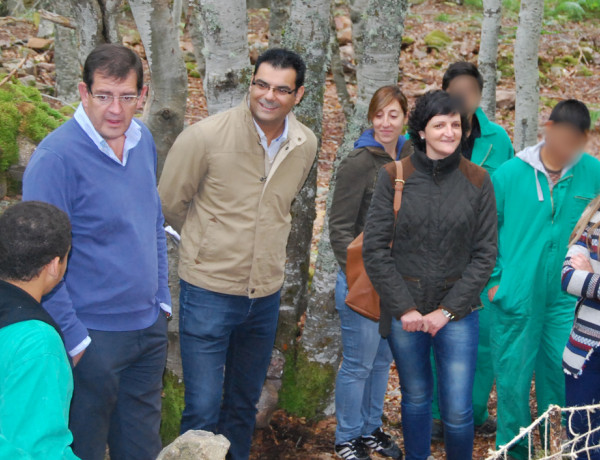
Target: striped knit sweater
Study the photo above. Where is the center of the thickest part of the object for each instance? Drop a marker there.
(585, 336)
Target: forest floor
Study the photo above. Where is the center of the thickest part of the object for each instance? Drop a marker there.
(569, 60)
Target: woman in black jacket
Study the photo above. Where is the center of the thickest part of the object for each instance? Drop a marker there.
(444, 250)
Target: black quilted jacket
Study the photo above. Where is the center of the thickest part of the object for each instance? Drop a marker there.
(445, 239)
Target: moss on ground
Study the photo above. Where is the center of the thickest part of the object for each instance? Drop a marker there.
(172, 407)
(307, 385)
(23, 112)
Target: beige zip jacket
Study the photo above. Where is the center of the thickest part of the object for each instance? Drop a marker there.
(234, 219)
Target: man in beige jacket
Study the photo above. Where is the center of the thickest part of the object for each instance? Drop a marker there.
(227, 187)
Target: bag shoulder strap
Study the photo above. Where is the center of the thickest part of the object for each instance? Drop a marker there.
(398, 187)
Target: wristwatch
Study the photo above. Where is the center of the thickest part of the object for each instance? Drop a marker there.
(447, 314)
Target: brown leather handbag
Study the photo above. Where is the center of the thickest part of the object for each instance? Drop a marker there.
(362, 297)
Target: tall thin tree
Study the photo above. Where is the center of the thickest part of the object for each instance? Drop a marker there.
(527, 73)
(228, 69)
(319, 351)
(165, 110)
(488, 54)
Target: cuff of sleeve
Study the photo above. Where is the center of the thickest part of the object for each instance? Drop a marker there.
(166, 307)
(82, 346)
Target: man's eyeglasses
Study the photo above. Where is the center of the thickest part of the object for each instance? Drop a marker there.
(277, 90)
(107, 99)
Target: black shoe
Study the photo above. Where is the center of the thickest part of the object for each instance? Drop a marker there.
(487, 429)
(437, 430)
(352, 450)
(383, 444)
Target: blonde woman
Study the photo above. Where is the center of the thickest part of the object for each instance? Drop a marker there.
(581, 277)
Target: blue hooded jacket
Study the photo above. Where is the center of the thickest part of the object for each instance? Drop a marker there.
(367, 139)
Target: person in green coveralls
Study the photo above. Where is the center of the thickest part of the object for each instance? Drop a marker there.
(540, 196)
(488, 146)
(36, 383)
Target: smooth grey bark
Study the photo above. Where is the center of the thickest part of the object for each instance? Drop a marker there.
(165, 108)
(527, 73)
(88, 15)
(228, 69)
(110, 11)
(488, 54)
(280, 13)
(177, 10)
(379, 52)
(197, 38)
(307, 33)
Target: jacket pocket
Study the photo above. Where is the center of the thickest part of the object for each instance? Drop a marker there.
(206, 248)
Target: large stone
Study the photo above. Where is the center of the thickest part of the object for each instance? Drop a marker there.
(437, 39)
(269, 397)
(196, 445)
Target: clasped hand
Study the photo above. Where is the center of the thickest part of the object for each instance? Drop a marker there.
(431, 323)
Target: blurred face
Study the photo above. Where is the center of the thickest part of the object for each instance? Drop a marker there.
(564, 142)
(110, 115)
(388, 123)
(273, 94)
(466, 88)
(442, 136)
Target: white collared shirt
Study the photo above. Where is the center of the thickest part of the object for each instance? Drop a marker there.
(132, 136)
(273, 149)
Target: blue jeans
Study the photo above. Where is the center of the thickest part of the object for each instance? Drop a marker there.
(362, 379)
(455, 351)
(226, 345)
(117, 394)
(584, 391)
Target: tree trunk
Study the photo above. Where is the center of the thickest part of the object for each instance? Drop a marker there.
(196, 30)
(280, 12)
(308, 389)
(110, 16)
(177, 10)
(307, 33)
(527, 73)
(228, 69)
(165, 109)
(66, 57)
(88, 15)
(488, 54)
(337, 71)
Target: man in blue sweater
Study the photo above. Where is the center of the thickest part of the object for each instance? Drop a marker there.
(112, 307)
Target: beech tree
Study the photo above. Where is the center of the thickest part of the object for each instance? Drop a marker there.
(228, 70)
(527, 73)
(488, 54)
(165, 109)
(308, 384)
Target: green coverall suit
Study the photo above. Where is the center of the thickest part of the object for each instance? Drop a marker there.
(531, 315)
(490, 150)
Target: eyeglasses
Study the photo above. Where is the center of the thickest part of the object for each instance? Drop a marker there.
(107, 99)
(277, 90)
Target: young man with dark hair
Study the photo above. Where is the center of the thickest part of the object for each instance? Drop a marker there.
(36, 383)
(100, 168)
(540, 196)
(227, 187)
(487, 145)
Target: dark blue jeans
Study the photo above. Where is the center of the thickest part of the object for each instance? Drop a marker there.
(584, 391)
(117, 394)
(363, 377)
(455, 351)
(226, 345)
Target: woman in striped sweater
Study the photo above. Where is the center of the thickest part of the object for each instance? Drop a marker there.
(581, 363)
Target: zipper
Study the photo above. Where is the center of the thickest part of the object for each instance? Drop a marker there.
(486, 155)
(552, 193)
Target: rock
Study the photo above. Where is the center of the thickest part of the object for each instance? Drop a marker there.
(39, 44)
(45, 28)
(407, 41)
(505, 99)
(28, 80)
(557, 71)
(3, 185)
(269, 397)
(437, 39)
(347, 54)
(26, 148)
(196, 445)
(343, 26)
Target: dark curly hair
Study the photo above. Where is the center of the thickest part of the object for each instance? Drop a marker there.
(429, 105)
(32, 234)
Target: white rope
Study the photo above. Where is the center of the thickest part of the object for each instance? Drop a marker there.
(553, 446)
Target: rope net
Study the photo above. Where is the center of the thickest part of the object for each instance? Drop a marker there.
(547, 439)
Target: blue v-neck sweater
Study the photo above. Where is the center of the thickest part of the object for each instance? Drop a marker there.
(117, 272)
